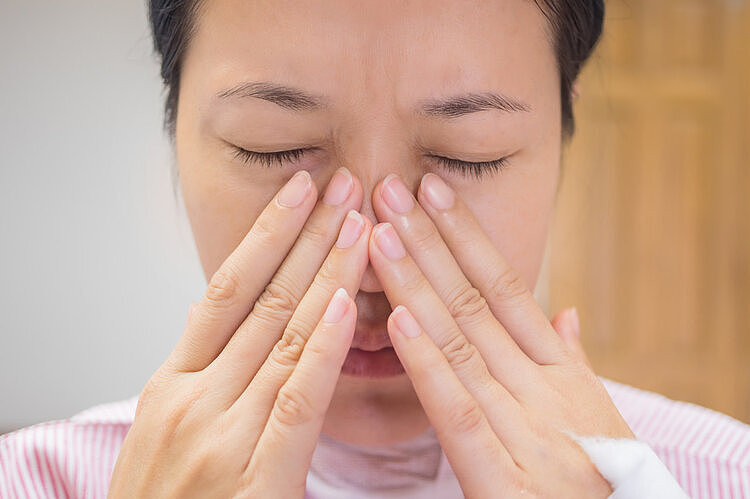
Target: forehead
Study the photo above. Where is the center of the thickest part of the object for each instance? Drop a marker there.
(389, 49)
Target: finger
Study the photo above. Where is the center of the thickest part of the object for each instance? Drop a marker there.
(284, 451)
(191, 310)
(394, 203)
(254, 339)
(473, 449)
(508, 298)
(406, 286)
(344, 267)
(567, 326)
(239, 281)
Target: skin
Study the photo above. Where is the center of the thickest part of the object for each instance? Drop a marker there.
(440, 264)
(374, 61)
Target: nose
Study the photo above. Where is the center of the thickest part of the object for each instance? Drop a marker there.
(371, 162)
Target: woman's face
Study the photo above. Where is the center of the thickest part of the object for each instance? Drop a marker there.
(374, 66)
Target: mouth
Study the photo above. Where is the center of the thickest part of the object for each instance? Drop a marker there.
(371, 354)
(379, 363)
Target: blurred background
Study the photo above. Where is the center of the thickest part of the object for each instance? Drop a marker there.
(97, 260)
(651, 239)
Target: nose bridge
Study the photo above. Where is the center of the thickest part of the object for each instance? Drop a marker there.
(371, 153)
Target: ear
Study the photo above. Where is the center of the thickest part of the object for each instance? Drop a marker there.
(568, 327)
(575, 91)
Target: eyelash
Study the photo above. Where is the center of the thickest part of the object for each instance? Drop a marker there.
(472, 169)
(465, 168)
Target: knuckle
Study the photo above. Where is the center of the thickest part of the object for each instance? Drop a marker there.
(320, 353)
(426, 238)
(508, 286)
(223, 286)
(465, 417)
(460, 353)
(153, 386)
(288, 349)
(467, 303)
(263, 231)
(316, 234)
(327, 275)
(177, 413)
(293, 407)
(153, 391)
(277, 301)
(413, 283)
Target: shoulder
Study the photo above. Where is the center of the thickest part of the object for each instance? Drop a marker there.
(71, 457)
(708, 452)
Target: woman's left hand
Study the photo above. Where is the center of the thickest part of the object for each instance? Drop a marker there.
(499, 386)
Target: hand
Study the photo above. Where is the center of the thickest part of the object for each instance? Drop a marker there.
(500, 387)
(237, 407)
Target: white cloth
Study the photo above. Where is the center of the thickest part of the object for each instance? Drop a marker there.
(631, 467)
(418, 469)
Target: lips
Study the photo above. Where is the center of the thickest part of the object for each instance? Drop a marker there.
(370, 337)
(371, 354)
(379, 364)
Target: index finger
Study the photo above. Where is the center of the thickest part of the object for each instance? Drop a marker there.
(284, 450)
(236, 285)
(509, 299)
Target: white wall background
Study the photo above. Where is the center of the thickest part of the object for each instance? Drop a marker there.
(97, 262)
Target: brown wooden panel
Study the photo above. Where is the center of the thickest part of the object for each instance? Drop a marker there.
(652, 235)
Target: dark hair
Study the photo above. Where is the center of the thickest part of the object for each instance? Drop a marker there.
(574, 29)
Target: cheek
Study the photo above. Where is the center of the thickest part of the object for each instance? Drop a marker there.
(221, 212)
(515, 213)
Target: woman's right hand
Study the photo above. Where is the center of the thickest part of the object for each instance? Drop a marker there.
(237, 407)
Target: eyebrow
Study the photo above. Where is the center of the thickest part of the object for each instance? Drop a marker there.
(286, 97)
(460, 105)
(447, 107)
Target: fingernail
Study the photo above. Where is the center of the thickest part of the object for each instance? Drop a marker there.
(339, 187)
(351, 229)
(437, 192)
(575, 321)
(389, 242)
(405, 322)
(396, 195)
(294, 192)
(337, 306)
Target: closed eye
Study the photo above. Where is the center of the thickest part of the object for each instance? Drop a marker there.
(269, 159)
(475, 169)
(471, 168)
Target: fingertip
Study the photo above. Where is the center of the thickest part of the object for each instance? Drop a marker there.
(404, 322)
(575, 322)
(375, 230)
(562, 324)
(390, 325)
(337, 307)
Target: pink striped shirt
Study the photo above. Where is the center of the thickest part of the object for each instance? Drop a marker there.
(708, 452)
